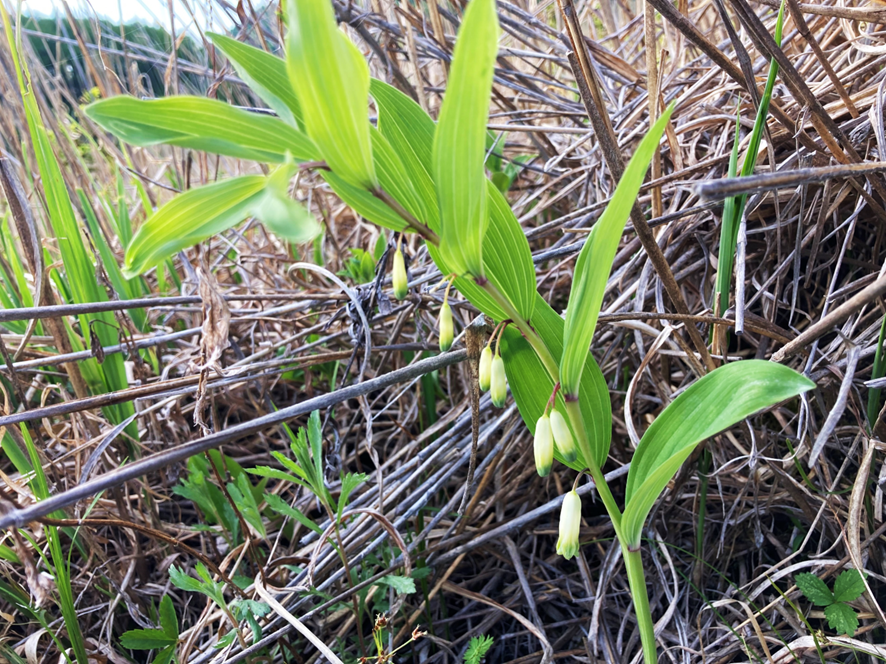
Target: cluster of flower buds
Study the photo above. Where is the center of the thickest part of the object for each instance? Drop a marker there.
(552, 429)
(492, 370)
(398, 277)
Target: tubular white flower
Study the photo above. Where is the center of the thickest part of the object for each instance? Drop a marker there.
(398, 276)
(446, 334)
(563, 436)
(543, 445)
(570, 525)
(485, 368)
(498, 388)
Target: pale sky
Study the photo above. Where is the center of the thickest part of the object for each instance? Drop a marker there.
(208, 15)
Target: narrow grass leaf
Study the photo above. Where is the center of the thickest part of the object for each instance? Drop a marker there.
(331, 81)
(713, 403)
(460, 140)
(265, 74)
(595, 260)
(202, 124)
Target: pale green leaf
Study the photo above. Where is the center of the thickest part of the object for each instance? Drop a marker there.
(364, 203)
(849, 586)
(349, 482)
(842, 618)
(595, 260)
(713, 403)
(202, 124)
(146, 639)
(279, 213)
(460, 140)
(191, 217)
(404, 585)
(264, 73)
(331, 81)
(815, 590)
(283, 508)
(532, 386)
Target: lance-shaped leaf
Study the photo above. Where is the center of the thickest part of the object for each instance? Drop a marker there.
(264, 73)
(532, 387)
(205, 211)
(331, 81)
(507, 258)
(460, 141)
(202, 124)
(595, 261)
(713, 403)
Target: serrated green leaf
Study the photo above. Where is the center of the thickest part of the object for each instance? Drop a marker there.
(168, 619)
(532, 386)
(477, 649)
(460, 141)
(146, 639)
(849, 586)
(713, 403)
(842, 618)
(204, 124)
(283, 508)
(403, 585)
(349, 482)
(264, 73)
(331, 81)
(814, 589)
(165, 656)
(595, 260)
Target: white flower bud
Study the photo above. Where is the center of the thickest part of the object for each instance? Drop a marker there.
(563, 436)
(498, 388)
(543, 445)
(570, 525)
(446, 334)
(398, 276)
(485, 368)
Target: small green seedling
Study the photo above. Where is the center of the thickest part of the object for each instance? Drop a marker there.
(477, 649)
(848, 587)
(163, 640)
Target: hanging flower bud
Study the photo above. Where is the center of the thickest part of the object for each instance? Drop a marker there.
(446, 335)
(563, 436)
(399, 275)
(570, 525)
(486, 368)
(498, 388)
(543, 445)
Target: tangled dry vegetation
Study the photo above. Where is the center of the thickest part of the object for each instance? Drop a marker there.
(229, 333)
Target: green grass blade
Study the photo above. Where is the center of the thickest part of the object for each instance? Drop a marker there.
(331, 81)
(265, 74)
(713, 403)
(595, 260)
(460, 141)
(202, 124)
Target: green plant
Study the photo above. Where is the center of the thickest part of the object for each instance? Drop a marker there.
(164, 639)
(848, 587)
(477, 649)
(412, 175)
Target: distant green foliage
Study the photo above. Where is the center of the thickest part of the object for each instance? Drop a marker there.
(848, 587)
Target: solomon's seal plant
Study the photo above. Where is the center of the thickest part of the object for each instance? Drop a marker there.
(410, 174)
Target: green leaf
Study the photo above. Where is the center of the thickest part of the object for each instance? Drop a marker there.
(595, 260)
(146, 639)
(364, 203)
(460, 140)
(276, 474)
(204, 124)
(713, 403)
(477, 649)
(264, 73)
(283, 508)
(165, 656)
(842, 618)
(403, 585)
(849, 586)
(282, 215)
(349, 482)
(532, 386)
(331, 81)
(168, 619)
(815, 590)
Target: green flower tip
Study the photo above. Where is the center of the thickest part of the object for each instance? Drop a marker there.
(498, 388)
(486, 368)
(543, 445)
(398, 277)
(570, 525)
(563, 436)
(446, 335)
